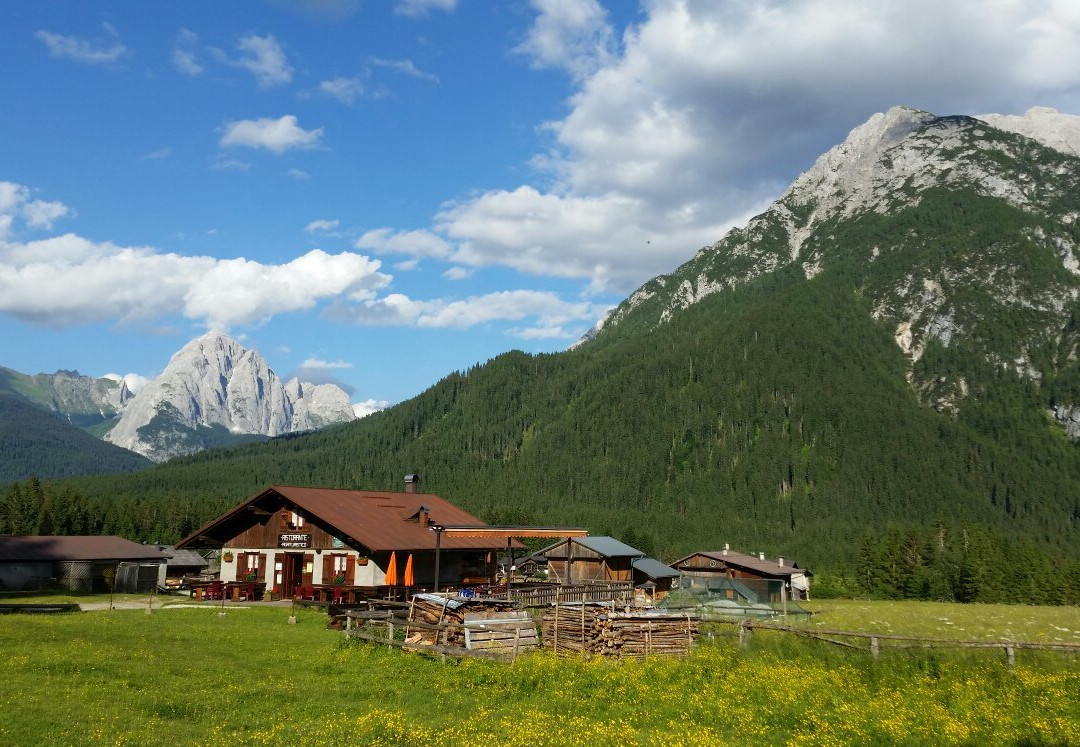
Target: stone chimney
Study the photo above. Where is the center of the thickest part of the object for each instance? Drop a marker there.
(411, 481)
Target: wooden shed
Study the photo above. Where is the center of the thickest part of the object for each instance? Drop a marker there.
(704, 566)
(78, 563)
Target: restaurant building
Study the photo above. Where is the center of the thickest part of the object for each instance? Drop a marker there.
(287, 537)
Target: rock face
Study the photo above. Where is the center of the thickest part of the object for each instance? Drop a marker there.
(81, 400)
(960, 234)
(215, 391)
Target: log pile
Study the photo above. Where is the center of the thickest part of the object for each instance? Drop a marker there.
(596, 629)
(447, 617)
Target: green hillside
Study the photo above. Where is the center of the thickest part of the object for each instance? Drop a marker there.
(38, 443)
(777, 418)
(765, 397)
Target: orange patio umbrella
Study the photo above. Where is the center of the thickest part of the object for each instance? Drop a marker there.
(391, 570)
(409, 580)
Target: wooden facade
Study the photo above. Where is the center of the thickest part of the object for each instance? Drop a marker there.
(288, 537)
(586, 560)
(703, 566)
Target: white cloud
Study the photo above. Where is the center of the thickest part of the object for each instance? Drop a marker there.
(690, 121)
(345, 90)
(418, 243)
(11, 196)
(276, 135)
(156, 155)
(264, 58)
(15, 204)
(458, 273)
(321, 225)
(397, 309)
(67, 280)
(369, 407)
(240, 291)
(82, 50)
(403, 66)
(571, 34)
(420, 8)
(183, 54)
(41, 214)
(223, 162)
(320, 363)
(134, 381)
(298, 174)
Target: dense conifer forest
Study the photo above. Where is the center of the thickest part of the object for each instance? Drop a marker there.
(775, 418)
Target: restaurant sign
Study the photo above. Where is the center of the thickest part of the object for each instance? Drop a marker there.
(294, 540)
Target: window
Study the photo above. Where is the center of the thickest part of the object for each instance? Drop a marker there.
(296, 521)
(340, 564)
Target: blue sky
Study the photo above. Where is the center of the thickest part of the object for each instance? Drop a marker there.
(380, 192)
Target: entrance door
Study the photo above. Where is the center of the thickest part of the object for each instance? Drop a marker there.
(293, 570)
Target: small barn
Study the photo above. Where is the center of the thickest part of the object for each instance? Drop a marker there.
(605, 559)
(652, 579)
(181, 567)
(741, 575)
(79, 563)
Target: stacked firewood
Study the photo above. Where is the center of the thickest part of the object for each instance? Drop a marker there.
(595, 629)
(450, 614)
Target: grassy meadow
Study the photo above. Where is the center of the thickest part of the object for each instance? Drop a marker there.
(184, 675)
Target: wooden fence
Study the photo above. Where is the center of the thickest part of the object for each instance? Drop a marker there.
(546, 595)
(499, 639)
(873, 643)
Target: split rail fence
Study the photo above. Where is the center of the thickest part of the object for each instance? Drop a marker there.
(874, 643)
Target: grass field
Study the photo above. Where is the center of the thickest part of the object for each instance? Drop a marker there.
(187, 676)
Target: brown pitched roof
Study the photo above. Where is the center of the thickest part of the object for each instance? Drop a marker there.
(44, 549)
(751, 562)
(377, 520)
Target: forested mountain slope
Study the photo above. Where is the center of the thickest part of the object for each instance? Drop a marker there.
(34, 442)
(864, 379)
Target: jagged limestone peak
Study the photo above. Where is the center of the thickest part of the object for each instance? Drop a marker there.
(215, 381)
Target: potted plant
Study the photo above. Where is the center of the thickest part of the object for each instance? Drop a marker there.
(227, 557)
(250, 576)
(339, 579)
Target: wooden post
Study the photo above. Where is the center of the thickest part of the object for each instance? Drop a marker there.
(570, 562)
(438, 556)
(389, 632)
(875, 647)
(509, 565)
(1010, 655)
(558, 596)
(783, 596)
(583, 626)
(744, 634)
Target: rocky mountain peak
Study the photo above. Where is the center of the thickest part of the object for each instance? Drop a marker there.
(216, 384)
(953, 229)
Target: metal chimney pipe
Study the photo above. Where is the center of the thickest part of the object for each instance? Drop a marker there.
(780, 561)
(726, 548)
(411, 481)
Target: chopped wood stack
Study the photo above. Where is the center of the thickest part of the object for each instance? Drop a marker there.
(594, 629)
(431, 610)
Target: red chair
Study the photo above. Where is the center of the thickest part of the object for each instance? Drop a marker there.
(340, 594)
(215, 590)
